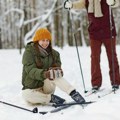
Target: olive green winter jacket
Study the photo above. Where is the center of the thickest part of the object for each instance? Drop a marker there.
(35, 62)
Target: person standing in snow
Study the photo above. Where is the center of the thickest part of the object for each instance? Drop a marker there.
(100, 33)
(42, 72)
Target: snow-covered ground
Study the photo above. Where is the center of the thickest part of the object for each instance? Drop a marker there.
(106, 108)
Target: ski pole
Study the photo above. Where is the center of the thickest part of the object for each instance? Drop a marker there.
(74, 37)
(35, 110)
(112, 50)
(85, 91)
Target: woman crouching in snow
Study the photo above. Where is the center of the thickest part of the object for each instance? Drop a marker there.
(42, 72)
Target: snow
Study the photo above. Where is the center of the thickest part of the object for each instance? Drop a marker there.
(106, 108)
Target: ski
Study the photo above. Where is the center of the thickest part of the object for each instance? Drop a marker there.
(54, 110)
(72, 103)
(105, 94)
(64, 106)
(91, 92)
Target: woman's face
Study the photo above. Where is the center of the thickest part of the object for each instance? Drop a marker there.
(44, 43)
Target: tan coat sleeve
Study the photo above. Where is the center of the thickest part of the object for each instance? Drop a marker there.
(79, 4)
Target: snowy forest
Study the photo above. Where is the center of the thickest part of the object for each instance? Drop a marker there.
(20, 18)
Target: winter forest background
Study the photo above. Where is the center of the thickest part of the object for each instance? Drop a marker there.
(20, 18)
(18, 21)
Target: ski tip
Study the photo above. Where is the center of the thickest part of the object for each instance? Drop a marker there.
(43, 113)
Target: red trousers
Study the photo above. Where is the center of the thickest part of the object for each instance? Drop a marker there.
(96, 77)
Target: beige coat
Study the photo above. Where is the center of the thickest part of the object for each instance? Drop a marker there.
(81, 4)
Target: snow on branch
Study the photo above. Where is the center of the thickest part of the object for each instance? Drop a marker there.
(43, 19)
(21, 21)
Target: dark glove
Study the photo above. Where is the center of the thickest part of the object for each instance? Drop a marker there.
(53, 73)
(68, 4)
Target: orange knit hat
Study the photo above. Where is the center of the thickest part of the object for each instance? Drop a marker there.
(42, 34)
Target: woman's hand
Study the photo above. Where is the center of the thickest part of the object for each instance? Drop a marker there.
(111, 2)
(68, 4)
(53, 73)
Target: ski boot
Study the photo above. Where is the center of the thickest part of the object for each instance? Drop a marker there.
(56, 99)
(95, 88)
(115, 87)
(77, 97)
